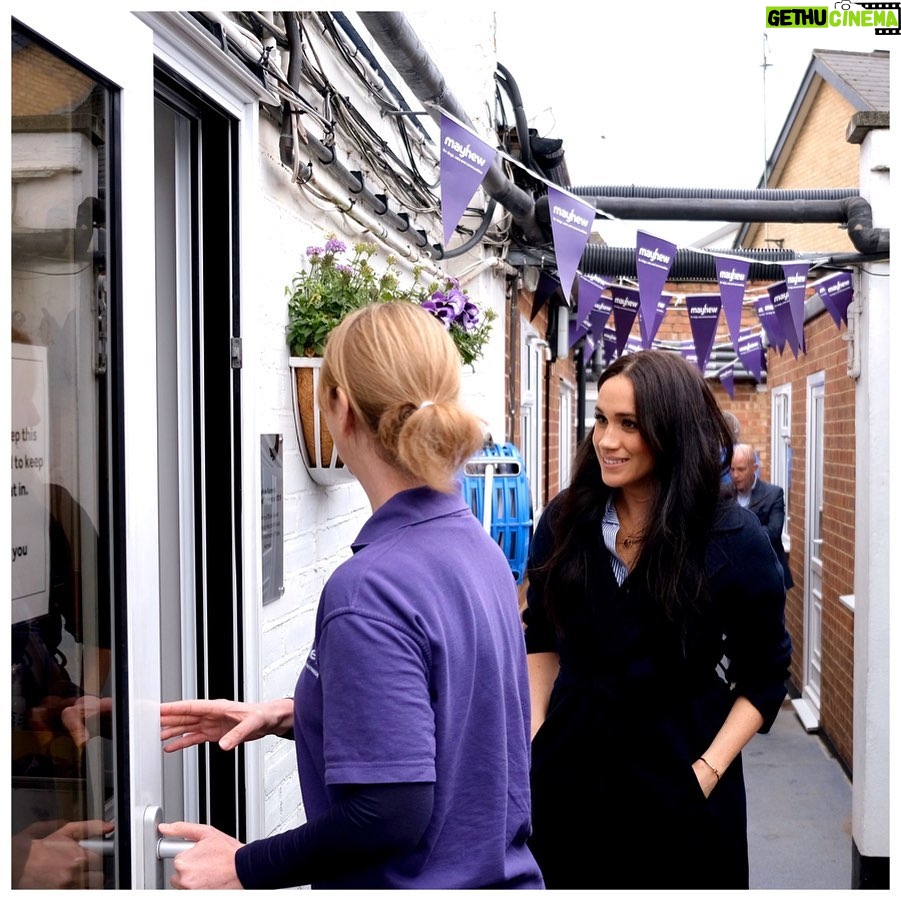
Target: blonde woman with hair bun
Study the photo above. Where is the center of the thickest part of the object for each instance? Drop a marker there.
(392, 372)
(411, 714)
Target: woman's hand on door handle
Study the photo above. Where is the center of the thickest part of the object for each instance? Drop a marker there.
(209, 863)
(229, 723)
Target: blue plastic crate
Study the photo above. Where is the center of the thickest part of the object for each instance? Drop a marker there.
(508, 517)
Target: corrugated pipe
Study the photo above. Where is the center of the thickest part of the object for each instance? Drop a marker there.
(401, 45)
(507, 81)
(688, 265)
(700, 266)
(715, 193)
(843, 205)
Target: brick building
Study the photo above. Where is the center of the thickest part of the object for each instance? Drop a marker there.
(814, 396)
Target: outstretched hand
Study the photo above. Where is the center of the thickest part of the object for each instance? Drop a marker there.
(229, 723)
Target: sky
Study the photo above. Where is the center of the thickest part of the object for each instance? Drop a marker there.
(672, 94)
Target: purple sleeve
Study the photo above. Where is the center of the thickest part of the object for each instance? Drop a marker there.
(375, 678)
(365, 825)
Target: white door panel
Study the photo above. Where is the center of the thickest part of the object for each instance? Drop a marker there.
(98, 326)
(813, 582)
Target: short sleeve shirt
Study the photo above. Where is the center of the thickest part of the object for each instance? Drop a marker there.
(417, 674)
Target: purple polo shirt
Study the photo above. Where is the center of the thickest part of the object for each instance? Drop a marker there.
(418, 674)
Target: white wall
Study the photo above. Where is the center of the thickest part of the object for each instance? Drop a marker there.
(872, 583)
(320, 523)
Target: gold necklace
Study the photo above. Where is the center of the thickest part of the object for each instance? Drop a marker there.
(630, 539)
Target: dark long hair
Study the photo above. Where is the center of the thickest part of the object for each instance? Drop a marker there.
(691, 443)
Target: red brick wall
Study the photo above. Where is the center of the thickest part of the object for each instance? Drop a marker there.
(826, 352)
(819, 158)
(555, 373)
(751, 403)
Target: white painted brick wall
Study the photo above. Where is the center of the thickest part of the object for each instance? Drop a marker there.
(320, 523)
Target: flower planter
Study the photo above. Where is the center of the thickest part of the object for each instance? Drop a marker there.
(317, 449)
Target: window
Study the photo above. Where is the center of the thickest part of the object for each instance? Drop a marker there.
(532, 354)
(781, 449)
(567, 401)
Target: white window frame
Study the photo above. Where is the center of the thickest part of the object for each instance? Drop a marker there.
(566, 443)
(781, 449)
(533, 354)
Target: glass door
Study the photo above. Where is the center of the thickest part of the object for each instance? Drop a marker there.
(85, 756)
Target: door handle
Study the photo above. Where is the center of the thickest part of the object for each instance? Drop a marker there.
(158, 849)
(102, 846)
(167, 848)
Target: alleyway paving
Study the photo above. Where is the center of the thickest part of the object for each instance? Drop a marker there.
(799, 810)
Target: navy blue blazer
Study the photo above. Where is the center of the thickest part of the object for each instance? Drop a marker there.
(768, 504)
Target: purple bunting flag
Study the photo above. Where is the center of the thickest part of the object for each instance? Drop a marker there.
(589, 346)
(662, 306)
(611, 346)
(600, 315)
(648, 335)
(547, 286)
(766, 313)
(836, 292)
(732, 275)
(727, 381)
(625, 308)
(653, 260)
(750, 352)
(796, 283)
(465, 159)
(576, 331)
(587, 291)
(571, 221)
(782, 305)
(688, 352)
(704, 317)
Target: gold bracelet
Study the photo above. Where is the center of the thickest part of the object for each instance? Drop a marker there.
(716, 772)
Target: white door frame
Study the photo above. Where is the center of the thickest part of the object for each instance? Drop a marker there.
(533, 351)
(127, 62)
(808, 705)
(200, 62)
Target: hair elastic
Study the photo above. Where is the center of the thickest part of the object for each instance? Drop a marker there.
(426, 403)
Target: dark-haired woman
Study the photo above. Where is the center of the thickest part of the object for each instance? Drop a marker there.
(657, 644)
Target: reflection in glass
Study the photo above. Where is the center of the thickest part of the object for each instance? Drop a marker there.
(62, 699)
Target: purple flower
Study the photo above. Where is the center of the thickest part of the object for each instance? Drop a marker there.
(439, 310)
(469, 318)
(344, 267)
(333, 245)
(315, 251)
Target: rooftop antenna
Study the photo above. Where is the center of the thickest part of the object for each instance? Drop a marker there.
(765, 65)
(766, 163)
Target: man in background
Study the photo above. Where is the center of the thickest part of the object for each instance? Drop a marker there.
(767, 501)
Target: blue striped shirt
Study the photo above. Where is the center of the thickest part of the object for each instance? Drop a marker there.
(609, 529)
